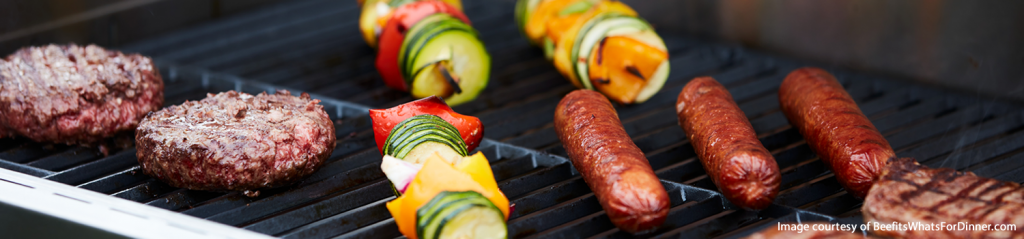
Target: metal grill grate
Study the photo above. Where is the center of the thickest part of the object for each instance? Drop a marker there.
(313, 46)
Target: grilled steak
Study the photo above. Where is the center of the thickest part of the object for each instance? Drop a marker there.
(75, 95)
(773, 232)
(236, 141)
(909, 192)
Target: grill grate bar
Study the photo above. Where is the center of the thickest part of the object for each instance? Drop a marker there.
(144, 192)
(224, 56)
(84, 172)
(220, 204)
(970, 156)
(66, 159)
(266, 34)
(29, 151)
(255, 210)
(25, 169)
(181, 199)
(535, 179)
(836, 204)
(1016, 175)
(344, 222)
(318, 211)
(238, 24)
(560, 214)
(685, 205)
(546, 197)
(928, 129)
(117, 181)
(962, 138)
(268, 43)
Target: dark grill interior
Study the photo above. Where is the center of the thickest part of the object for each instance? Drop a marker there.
(314, 46)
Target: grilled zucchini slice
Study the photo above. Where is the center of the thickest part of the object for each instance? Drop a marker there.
(442, 56)
(417, 137)
(460, 215)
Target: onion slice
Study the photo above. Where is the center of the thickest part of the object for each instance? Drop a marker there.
(399, 171)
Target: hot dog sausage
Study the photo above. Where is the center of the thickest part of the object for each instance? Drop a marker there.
(726, 144)
(611, 164)
(835, 128)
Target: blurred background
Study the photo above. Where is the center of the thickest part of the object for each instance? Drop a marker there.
(964, 45)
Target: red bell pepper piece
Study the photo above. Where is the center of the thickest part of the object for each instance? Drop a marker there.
(384, 120)
(402, 19)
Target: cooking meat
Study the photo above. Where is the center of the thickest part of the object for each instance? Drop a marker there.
(909, 192)
(726, 144)
(834, 127)
(236, 141)
(611, 164)
(75, 95)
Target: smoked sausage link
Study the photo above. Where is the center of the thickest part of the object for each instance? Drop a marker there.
(726, 144)
(611, 164)
(835, 128)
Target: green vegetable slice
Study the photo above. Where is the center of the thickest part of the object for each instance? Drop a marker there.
(460, 215)
(592, 32)
(443, 56)
(415, 138)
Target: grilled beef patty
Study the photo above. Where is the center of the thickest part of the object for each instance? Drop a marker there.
(909, 192)
(236, 141)
(75, 95)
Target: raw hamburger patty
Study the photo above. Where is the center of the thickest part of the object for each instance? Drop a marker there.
(236, 141)
(75, 95)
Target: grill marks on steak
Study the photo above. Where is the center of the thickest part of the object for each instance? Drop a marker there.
(235, 141)
(76, 95)
(910, 192)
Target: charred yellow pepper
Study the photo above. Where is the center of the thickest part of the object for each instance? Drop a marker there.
(599, 45)
(472, 173)
(565, 43)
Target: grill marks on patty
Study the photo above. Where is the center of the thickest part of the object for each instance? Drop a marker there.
(236, 141)
(910, 192)
(76, 95)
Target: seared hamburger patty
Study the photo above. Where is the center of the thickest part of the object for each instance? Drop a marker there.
(909, 192)
(75, 95)
(236, 141)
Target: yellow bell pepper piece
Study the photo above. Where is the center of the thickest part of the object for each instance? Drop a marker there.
(563, 48)
(370, 19)
(478, 168)
(472, 173)
(557, 27)
(537, 22)
(455, 3)
(625, 76)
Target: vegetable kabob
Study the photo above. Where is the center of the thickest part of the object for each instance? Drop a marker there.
(599, 45)
(426, 47)
(443, 192)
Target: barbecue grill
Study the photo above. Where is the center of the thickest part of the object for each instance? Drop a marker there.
(313, 46)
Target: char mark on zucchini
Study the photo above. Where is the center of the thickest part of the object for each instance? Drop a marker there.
(428, 48)
(578, 36)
